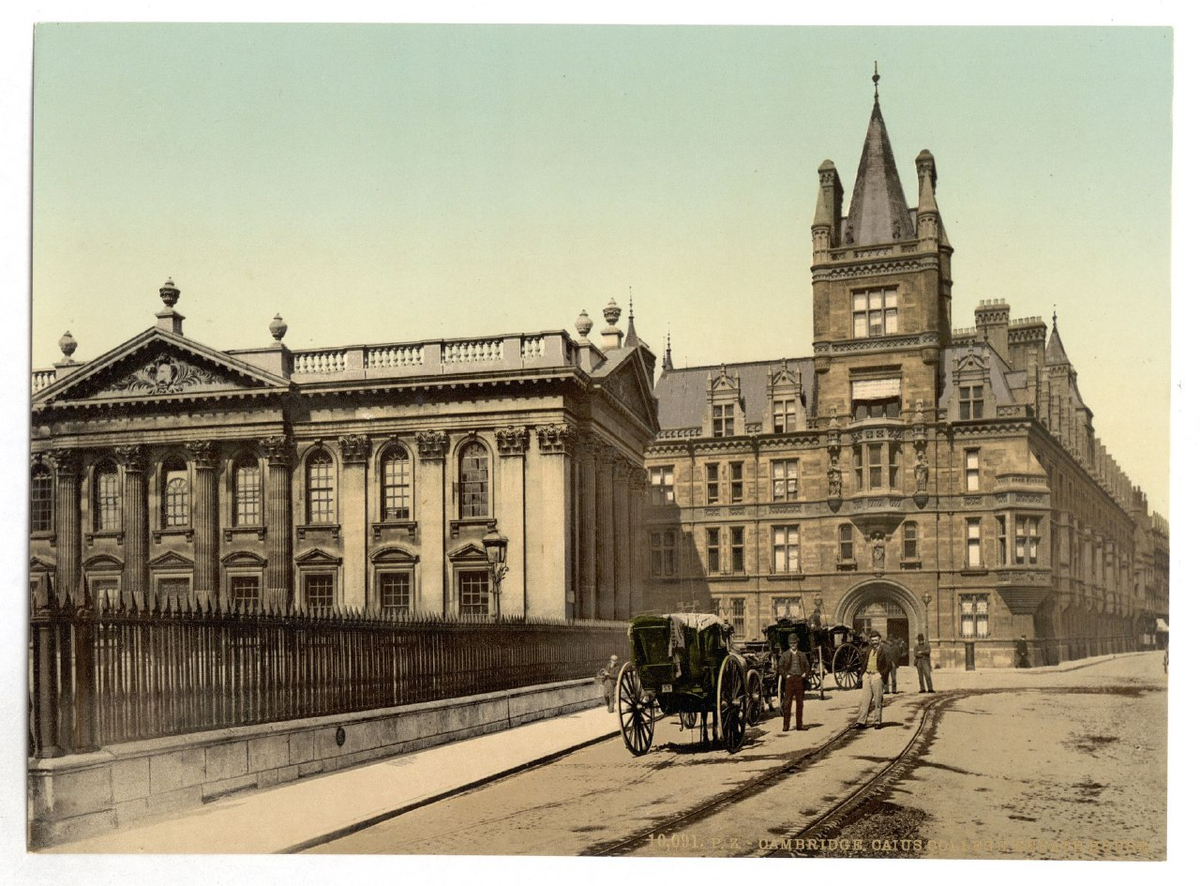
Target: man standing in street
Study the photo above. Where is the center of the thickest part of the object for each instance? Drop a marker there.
(608, 679)
(875, 672)
(793, 668)
(924, 672)
(1022, 652)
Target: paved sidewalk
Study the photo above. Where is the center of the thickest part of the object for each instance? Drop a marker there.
(302, 813)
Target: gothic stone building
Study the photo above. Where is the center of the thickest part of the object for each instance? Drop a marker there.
(359, 477)
(906, 477)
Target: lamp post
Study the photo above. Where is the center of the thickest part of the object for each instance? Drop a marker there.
(496, 546)
(925, 598)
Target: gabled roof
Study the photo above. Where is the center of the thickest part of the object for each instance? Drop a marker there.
(683, 393)
(878, 210)
(158, 365)
(1055, 352)
(626, 374)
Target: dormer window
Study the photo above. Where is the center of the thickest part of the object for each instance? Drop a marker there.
(783, 414)
(970, 402)
(722, 414)
(875, 313)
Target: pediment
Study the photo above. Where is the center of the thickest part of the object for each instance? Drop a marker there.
(972, 362)
(317, 557)
(629, 384)
(243, 558)
(393, 554)
(171, 560)
(102, 562)
(158, 365)
(469, 551)
(37, 564)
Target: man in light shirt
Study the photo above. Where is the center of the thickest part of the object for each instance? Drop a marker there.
(877, 666)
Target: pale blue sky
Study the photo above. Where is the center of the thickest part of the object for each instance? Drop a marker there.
(391, 183)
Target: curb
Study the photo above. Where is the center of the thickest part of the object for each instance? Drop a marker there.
(378, 818)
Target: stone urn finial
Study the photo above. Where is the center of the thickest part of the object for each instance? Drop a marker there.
(67, 345)
(612, 312)
(583, 325)
(169, 293)
(278, 328)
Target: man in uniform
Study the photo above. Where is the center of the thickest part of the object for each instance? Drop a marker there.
(793, 668)
(608, 679)
(875, 673)
(924, 672)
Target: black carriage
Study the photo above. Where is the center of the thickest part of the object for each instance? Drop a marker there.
(684, 664)
(777, 641)
(836, 650)
(843, 649)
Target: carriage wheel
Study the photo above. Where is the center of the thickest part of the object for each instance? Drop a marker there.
(636, 712)
(731, 705)
(847, 663)
(687, 719)
(754, 697)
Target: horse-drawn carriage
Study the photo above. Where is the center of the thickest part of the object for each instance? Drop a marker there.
(684, 664)
(833, 650)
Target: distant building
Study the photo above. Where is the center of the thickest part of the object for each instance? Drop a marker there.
(906, 477)
(361, 477)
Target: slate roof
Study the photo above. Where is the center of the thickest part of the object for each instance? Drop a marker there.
(683, 393)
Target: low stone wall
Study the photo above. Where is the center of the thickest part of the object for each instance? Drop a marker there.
(81, 795)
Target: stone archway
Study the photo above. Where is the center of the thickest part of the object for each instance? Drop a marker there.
(893, 605)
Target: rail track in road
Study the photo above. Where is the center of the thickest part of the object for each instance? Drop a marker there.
(827, 821)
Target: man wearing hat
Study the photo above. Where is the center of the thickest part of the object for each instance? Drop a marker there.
(793, 670)
(924, 674)
(608, 679)
(876, 667)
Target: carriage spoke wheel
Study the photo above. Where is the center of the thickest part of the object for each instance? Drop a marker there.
(635, 711)
(754, 697)
(731, 705)
(847, 662)
(816, 672)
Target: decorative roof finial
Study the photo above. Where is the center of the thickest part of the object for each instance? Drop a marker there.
(875, 80)
(630, 302)
(1054, 316)
(169, 293)
(278, 328)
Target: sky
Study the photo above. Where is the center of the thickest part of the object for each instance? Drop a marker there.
(397, 183)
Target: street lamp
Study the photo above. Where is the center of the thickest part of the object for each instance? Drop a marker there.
(496, 546)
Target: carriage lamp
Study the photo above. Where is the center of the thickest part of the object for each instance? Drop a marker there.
(496, 546)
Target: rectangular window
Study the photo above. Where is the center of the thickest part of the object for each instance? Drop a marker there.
(887, 408)
(247, 494)
(875, 313)
(243, 591)
(783, 414)
(473, 592)
(662, 486)
(970, 402)
(974, 544)
(395, 593)
(723, 420)
(737, 610)
(875, 465)
(893, 466)
(1002, 538)
(971, 460)
(108, 501)
(974, 611)
(712, 549)
(318, 592)
(858, 469)
(786, 549)
(173, 589)
(176, 509)
(786, 607)
(735, 483)
(397, 487)
(737, 549)
(41, 501)
(1028, 536)
(105, 589)
(785, 485)
(909, 551)
(846, 543)
(712, 484)
(662, 553)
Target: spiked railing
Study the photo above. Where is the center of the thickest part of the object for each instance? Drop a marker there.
(109, 672)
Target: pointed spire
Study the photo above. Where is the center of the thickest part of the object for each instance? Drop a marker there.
(878, 210)
(631, 337)
(667, 364)
(1055, 352)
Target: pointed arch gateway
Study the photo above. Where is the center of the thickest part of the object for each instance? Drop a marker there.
(889, 607)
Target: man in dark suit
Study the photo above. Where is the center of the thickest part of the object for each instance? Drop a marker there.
(793, 670)
(877, 665)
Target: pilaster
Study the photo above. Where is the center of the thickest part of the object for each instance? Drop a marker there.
(352, 490)
(512, 444)
(66, 464)
(205, 581)
(134, 518)
(433, 594)
(279, 452)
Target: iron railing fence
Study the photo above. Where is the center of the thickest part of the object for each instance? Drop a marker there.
(103, 674)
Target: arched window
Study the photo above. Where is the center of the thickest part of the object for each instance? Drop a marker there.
(247, 491)
(176, 497)
(319, 487)
(473, 481)
(106, 498)
(396, 476)
(41, 499)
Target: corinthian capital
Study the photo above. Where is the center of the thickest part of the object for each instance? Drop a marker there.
(203, 453)
(131, 457)
(355, 447)
(278, 450)
(556, 439)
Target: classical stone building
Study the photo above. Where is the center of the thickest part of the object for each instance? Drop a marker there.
(907, 476)
(364, 477)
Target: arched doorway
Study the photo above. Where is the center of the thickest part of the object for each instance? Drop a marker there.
(887, 607)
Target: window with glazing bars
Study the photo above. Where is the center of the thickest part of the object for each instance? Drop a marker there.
(662, 486)
(845, 543)
(712, 485)
(974, 615)
(712, 546)
(786, 549)
(909, 551)
(737, 549)
(243, 591)
(318, 592)
(875, 313)
(176, 501)
(785, 484)
(784, 416)
(41, 499)
(723, 420)
(473, 481)
(970, 402)
(107, 498)
(473, 592)
(397, 486)
(735, 483)
(395, 592)
(247, 493)
(320, 488)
